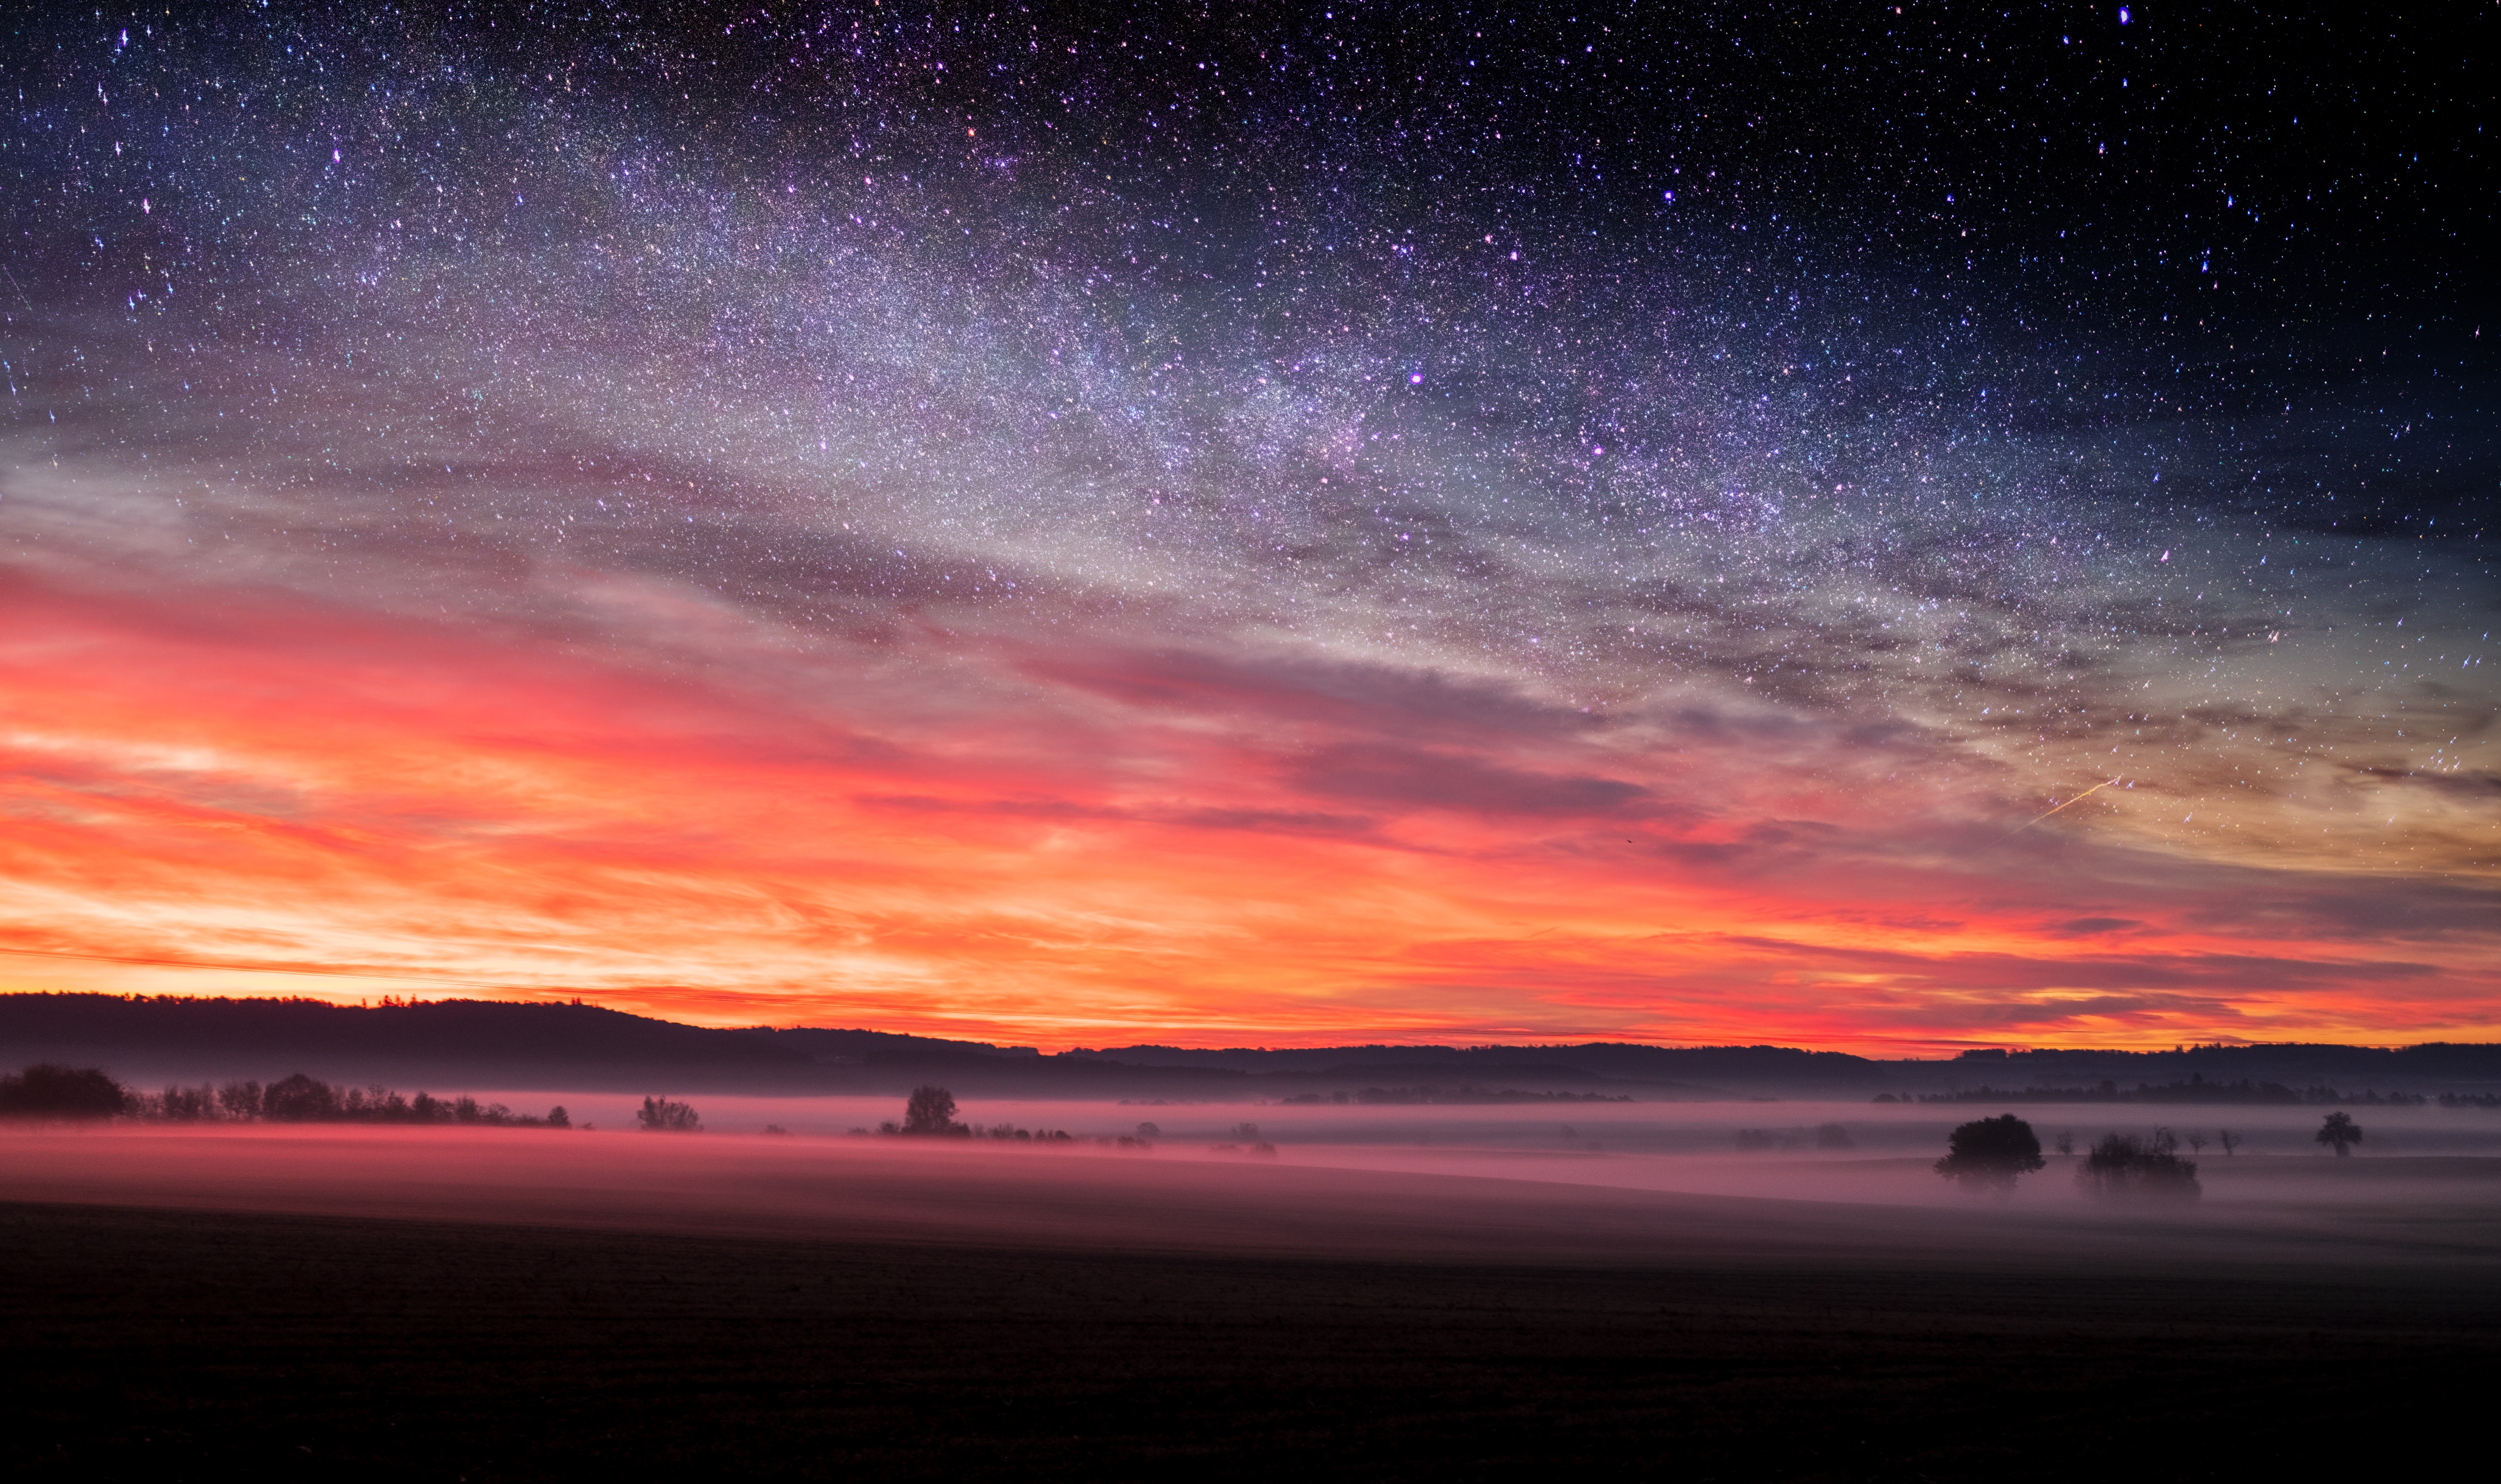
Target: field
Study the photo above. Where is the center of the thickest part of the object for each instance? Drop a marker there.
(496, 1304)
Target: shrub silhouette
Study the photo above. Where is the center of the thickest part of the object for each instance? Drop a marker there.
(2124, 1167)
(658, 1115)
(2340, 1130)
(931, 1110)
(49, 1089)
(1989, 1153)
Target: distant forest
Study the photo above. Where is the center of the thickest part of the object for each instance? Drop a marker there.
(1447, 1095)
(576, 1044)
(2197, 1090)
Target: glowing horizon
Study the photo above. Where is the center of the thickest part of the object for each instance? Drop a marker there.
(509, 819)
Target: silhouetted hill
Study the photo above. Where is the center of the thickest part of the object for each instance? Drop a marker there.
(837, 1046)
(2434, 1066)
(1694, 1069)
(470, 1038)
(482, 1042)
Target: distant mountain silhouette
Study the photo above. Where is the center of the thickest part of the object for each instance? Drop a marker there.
(486, 1032)
(1700, 1066)
(485, 1042)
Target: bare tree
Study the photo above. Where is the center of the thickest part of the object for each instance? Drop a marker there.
(2223, 1136)
(2341, 1132)
(2196, 1142)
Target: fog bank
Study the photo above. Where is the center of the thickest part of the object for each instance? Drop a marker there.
(2390, 1216)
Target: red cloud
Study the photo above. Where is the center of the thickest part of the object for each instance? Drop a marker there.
(946, 833)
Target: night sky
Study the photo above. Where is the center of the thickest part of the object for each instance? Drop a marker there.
(1866, 527)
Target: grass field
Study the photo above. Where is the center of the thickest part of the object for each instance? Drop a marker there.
(986, 1319)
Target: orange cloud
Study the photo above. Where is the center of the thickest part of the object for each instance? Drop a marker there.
(963, 832)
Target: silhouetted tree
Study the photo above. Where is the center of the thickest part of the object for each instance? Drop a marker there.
(2223, 1136)
(559, 1117)
(187, 1104)
(659, 1115)
(2340, 1130)
(2124, 1167)
(1149, 1132)
(240, 1099)
(931, 1110)
(1989, 1153)
(298, 1099)
(49, 1089)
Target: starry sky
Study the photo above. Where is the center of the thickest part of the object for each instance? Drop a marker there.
(1885, 528)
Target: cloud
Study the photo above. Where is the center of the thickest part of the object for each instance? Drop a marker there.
(1429, 780)
(885, 709)
(1281, 692)
(2093, 926)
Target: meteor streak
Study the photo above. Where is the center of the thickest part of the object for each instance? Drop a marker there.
(2037, 818)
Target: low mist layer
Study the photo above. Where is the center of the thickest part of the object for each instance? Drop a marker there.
(1469, 1198)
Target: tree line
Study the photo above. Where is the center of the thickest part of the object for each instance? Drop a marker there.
(2194, 1090)
(1460, 1094)
(49, 1089)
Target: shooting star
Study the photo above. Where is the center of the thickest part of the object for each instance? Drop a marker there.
(2079, 799)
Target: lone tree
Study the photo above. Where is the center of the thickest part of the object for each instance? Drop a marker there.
(2340, 1130)
(47, 1089)
(659, 1115)
(1989, 1153)
(931, 1110)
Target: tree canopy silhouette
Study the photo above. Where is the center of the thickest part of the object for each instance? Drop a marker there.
(2340, 1130)
(298, 1099)
(49, 1089)
(1989, 1153)
(931, 1110)
(658, 1115)
(2124, 1167)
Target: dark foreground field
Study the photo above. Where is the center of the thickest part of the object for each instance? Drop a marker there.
(166, 1345)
